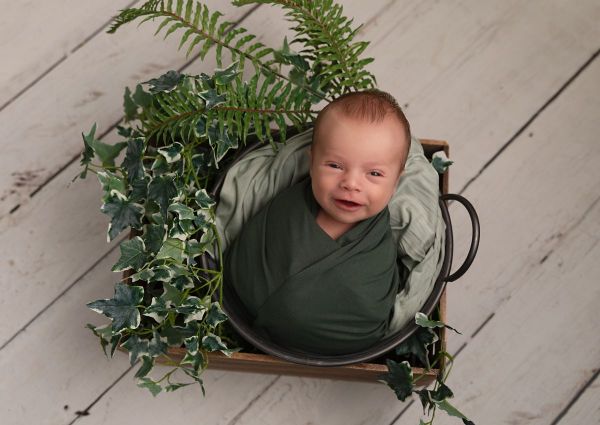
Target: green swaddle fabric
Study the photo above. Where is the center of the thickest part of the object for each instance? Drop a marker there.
(415, 219)
(306, 290)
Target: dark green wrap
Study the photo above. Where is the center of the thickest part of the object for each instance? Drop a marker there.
(306, 290)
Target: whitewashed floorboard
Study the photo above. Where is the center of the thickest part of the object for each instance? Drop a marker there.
(41, 130)
(57, 368)
(37, 35)
(587, 408)
(537, 270)
(473, 73)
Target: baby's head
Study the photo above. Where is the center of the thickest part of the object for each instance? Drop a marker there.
(360, 145)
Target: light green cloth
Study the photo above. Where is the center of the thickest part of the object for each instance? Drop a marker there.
(415, 217)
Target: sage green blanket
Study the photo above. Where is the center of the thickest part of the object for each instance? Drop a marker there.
(415, 218)
(307, 290)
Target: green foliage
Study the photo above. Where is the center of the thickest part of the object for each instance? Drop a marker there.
(179, 131)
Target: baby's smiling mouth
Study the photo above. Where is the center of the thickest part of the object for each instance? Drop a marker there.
(347, 205)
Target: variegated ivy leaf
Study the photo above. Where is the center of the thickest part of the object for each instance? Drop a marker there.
(175, 386)
(422, 320)
(192, 344)
(172, 249)
(154, 237)
(175, 232)
(159, 166)
(204, 219)
(183, 211)
(208, 237)
(200, 128)
(215, 315)
(133, 159)
(212, 342)
(220, 142)
(139, 190)
(182, 282)
(212, 98)
(165, 83)
(399, 378)
(171, 153)
(122, 308)
(225, 76)
(112, 185)
(187, 226)
(158, 310)
(193, 249)
(146, 367)
(133, 255)
(162, 189)
(195, 359)
(136, 347)
(171, 295)
(193, 308)
(145, 275)
(440, 162)
(153, 386)
(203, 199)
(163, 273)
(156, 346)
(107, 336)
(176, 334)
(123, 214)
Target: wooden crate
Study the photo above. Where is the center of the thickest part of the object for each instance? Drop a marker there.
(367, 372)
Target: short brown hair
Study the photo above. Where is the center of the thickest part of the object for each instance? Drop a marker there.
(372, 105)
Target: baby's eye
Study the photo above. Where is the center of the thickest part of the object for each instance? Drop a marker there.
(334, 165)
(376, 173)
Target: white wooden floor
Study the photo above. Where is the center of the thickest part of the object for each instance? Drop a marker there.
(513, 85)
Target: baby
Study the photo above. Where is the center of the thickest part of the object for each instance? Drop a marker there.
(316, 267)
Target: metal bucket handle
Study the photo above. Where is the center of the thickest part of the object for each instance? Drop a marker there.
(474, 233)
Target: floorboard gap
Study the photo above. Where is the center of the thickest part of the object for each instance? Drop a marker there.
(575, 398)
(524, 127)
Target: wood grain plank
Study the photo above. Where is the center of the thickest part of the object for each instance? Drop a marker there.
(586, 409)
(57, 368)
(472, 73)
(36, 36)
(41, 130)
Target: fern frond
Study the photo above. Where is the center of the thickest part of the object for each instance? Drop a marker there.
(328, 40)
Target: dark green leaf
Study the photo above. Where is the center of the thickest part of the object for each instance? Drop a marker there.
(154, 237)
(133, 159)
(450, 409)
(139, 190)
(212, 98)
(215, 315)
(88, 151)
(157, 347)
(129, 106)
(141, 97)
(122, 308)
(213, 342)
(203, 199)
(171, 153)
(146, 367)
(165, 83)
(399, 378)
(133, 255)
(417, 344)
(136, 347)
(162, 189)
(123, 214)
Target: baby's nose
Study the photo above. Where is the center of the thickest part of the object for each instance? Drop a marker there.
(350, 182)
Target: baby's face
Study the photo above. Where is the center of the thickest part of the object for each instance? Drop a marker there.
(356, 165)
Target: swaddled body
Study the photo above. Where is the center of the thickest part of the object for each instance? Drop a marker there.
(317, 266)
(307, 290)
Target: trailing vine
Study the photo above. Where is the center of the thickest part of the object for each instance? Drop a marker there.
(178, 133)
